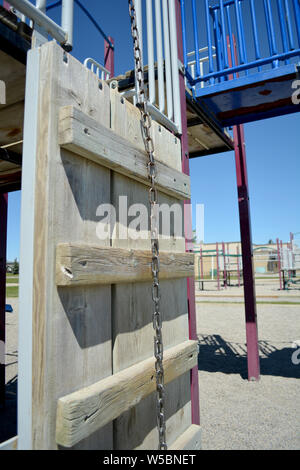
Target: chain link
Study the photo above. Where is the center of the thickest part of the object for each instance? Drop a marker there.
(153, 200)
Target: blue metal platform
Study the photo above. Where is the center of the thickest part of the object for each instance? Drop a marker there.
(245, 66)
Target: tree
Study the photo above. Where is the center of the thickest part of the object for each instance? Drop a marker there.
(15, 269)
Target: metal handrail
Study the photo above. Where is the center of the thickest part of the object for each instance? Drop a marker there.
(279, 22)
(97, 68)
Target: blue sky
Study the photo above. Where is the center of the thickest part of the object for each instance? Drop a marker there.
(272, 145)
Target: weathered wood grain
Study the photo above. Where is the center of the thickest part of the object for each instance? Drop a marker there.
(78, 264)
(84, 136)
(189, 440)
(83, 412)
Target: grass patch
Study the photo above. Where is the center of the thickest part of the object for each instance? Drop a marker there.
(12, 291)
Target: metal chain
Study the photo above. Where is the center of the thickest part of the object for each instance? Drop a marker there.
(153, 200)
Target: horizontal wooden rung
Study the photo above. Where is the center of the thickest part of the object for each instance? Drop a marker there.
(78, 264)
(189, 440)
(84, 136)
(83, 412)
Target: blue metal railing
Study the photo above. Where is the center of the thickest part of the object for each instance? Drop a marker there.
(237, 37)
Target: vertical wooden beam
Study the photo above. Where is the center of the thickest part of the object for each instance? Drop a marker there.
(3, 240)
(109, 57)
(188, 223)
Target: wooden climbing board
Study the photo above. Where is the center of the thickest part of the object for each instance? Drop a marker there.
(86, 303)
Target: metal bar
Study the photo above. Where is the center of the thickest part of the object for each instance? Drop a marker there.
(223, 34)
(247, 254)
(139, 20)
(196, 42)
(151, 74)
(218, 43)
(41, 5)
(240, 68)
(243, 33)
(109, 57)
(187, 221)
(67, 21)
(238, 266)
(162, 118)
(183, 19)
(282, 26)
(247, 249)
(168, 69)
(218, 266)
(231, 58)
(3, 243)
(53, 5)
(297, 18)
(269, 31)
(289, 24)
(255, 31)
(174, 63)
(29, 10)
(239, 32)
(160, 62)
(224, 268)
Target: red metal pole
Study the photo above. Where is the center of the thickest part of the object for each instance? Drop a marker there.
(246, 240)
(224, 261)
(188, 223)
(6, 5)
(238, 265)
(279, 264)
(218, 268)
(109, 57)
(3, 240)
(247, 253)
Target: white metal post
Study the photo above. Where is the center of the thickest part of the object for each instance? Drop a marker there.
(160, 62)
(174, 62)
(67, 15)
(168, 69)
(151, 74)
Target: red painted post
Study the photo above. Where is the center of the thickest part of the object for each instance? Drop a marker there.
(224, 267)
(238, 265)
(218, 268)
(6, 5)
(188, 223)
(279, 264)
(109, 57)
(3, 239)
(247, 253)
(246, 240)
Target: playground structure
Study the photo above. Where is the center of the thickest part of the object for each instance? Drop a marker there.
(78, 139)
(288, 262)
(228, 265)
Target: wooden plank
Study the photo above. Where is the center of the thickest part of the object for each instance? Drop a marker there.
(78, 264)
(11, 123)
(82, 413)
(126, 122)
(84, 136)
(2, 92)
(11, 444)
(71, 328)
(189, 440)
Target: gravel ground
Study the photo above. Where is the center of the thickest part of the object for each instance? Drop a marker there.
(235, 413)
